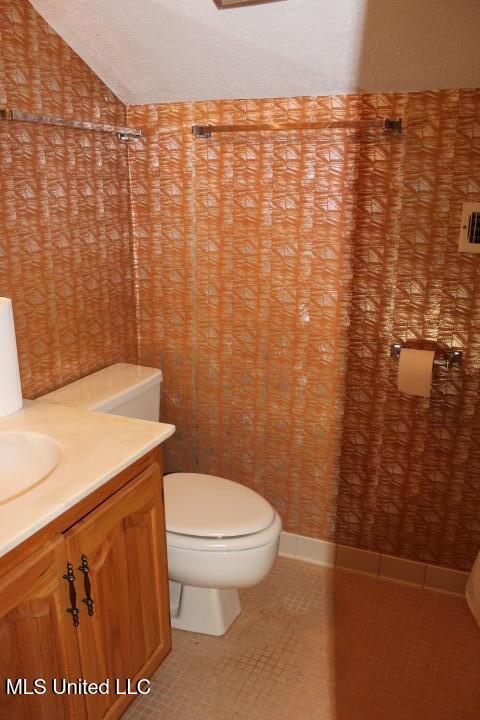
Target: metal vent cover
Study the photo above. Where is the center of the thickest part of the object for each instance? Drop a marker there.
(469, 240)
(473, 230)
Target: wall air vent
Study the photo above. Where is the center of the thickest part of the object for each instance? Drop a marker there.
(225, 4)
(469, 241)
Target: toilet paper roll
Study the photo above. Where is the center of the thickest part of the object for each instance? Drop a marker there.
(10, 386)
(415, 371)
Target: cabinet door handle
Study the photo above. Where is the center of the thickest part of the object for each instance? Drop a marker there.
(87, 585)
(70, 578)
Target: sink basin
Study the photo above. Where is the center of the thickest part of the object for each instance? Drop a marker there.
(26, 458)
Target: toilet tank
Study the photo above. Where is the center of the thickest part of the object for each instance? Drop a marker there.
(129, 390)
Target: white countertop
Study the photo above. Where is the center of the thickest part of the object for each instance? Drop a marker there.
(95, 448)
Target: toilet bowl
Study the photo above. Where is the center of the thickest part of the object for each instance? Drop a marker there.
(221, 536)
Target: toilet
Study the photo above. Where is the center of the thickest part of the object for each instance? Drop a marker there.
(221, 536)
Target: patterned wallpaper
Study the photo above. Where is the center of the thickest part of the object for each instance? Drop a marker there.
(65, 255)
(272, 273)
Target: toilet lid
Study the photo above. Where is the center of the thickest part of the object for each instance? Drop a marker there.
(209, 506)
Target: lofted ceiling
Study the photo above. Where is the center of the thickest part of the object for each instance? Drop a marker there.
(151, 51)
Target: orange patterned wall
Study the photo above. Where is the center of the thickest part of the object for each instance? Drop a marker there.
(65, 255)
(272, 274)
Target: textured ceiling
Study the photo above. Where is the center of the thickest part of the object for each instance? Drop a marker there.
(166, 50)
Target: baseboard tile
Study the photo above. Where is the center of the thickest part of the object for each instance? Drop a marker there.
(401, 570)
(358, 560)
(320, 552)
(288, 545)
(386, 567)
(445, 580)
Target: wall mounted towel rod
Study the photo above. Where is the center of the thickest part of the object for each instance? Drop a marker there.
(390, 125)
(446, 358)
(124, 133)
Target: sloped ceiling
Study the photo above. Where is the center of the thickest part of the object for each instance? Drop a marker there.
(151, 51)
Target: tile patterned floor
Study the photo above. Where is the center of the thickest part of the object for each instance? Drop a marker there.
(320, 644)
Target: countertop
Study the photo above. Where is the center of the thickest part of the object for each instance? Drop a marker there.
(95, 448)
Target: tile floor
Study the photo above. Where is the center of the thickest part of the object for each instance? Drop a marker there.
(321, 644)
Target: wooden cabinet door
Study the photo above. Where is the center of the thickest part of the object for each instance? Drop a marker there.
(37, 637)
(128, 635)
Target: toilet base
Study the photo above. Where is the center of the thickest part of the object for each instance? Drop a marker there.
(203, 610)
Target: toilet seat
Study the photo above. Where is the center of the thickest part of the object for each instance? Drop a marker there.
(226, 544)
(206, 506)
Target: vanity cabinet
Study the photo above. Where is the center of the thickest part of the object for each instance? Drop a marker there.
(92, 603)
(128, 632)
(34, 629)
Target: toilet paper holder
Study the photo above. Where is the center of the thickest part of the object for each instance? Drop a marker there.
(443, 358)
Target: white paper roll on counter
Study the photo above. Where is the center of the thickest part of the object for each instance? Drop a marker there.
(415, 371)
(10, 386)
